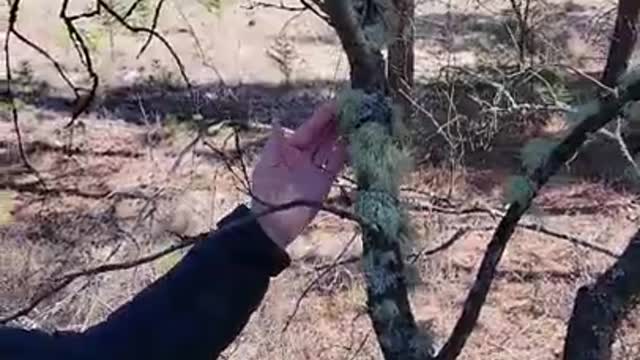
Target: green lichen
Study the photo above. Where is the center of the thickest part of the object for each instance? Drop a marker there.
(536, 152)
(386, 309)
(349, 104)
(380, 210)
(580, 113)
(380, 280)
(632, 111)
(519, 190)
(378, 163)
(422, 342)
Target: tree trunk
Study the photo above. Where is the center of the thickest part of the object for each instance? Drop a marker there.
(387, 297)
(600, 307)
(400, 70)
(625, 36)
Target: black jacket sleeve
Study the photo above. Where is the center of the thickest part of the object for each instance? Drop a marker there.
(193, 312)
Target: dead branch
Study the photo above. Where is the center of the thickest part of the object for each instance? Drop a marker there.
(154, 25)
(611, 105)
(267, 5)
(82, 101)
(401, 57)
(13, 18)
(53, 61)
(600, 307)
(459, 234)
(203, 56)
(151, 33)
(132, 8)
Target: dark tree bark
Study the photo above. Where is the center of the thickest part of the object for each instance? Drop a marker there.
(367, 65)
(623, 40)
(387, 296)
(600, 307)
(401, 59)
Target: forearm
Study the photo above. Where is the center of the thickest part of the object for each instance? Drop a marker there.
(199, 307)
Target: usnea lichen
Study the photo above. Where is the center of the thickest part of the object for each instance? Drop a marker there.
(632, 112)
(375, 138)
(380, 210)
(367, 121)
(519, 190)
(536, 152)
(380, 281)
(386, 309)
(581, 112)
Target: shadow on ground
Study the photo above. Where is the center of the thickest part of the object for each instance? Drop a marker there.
(488, 143)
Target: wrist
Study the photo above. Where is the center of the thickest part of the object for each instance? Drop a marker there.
(271, 227)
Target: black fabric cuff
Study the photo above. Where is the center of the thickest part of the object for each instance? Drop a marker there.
(251, 244)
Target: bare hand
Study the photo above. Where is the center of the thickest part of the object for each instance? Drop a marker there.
(298, 166)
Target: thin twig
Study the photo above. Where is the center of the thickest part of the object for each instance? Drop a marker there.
(68, 278)
(360, 346)
(13, 18)
(494, 213)
(154, 25)
(82, 101)
(316, 279)
(150, 32)
(205, 59)
(240, 153)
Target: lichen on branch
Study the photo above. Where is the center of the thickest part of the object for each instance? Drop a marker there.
(367, 121)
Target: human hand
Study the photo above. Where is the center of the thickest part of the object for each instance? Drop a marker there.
(298, 166)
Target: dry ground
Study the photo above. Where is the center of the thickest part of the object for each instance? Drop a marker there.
(129, 184)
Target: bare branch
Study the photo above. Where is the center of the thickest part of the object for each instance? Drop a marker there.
(623, 41)
(83, 101)
(150, 32)
(154, 25)
(610, 107)
(13, 18)
(53, 61)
